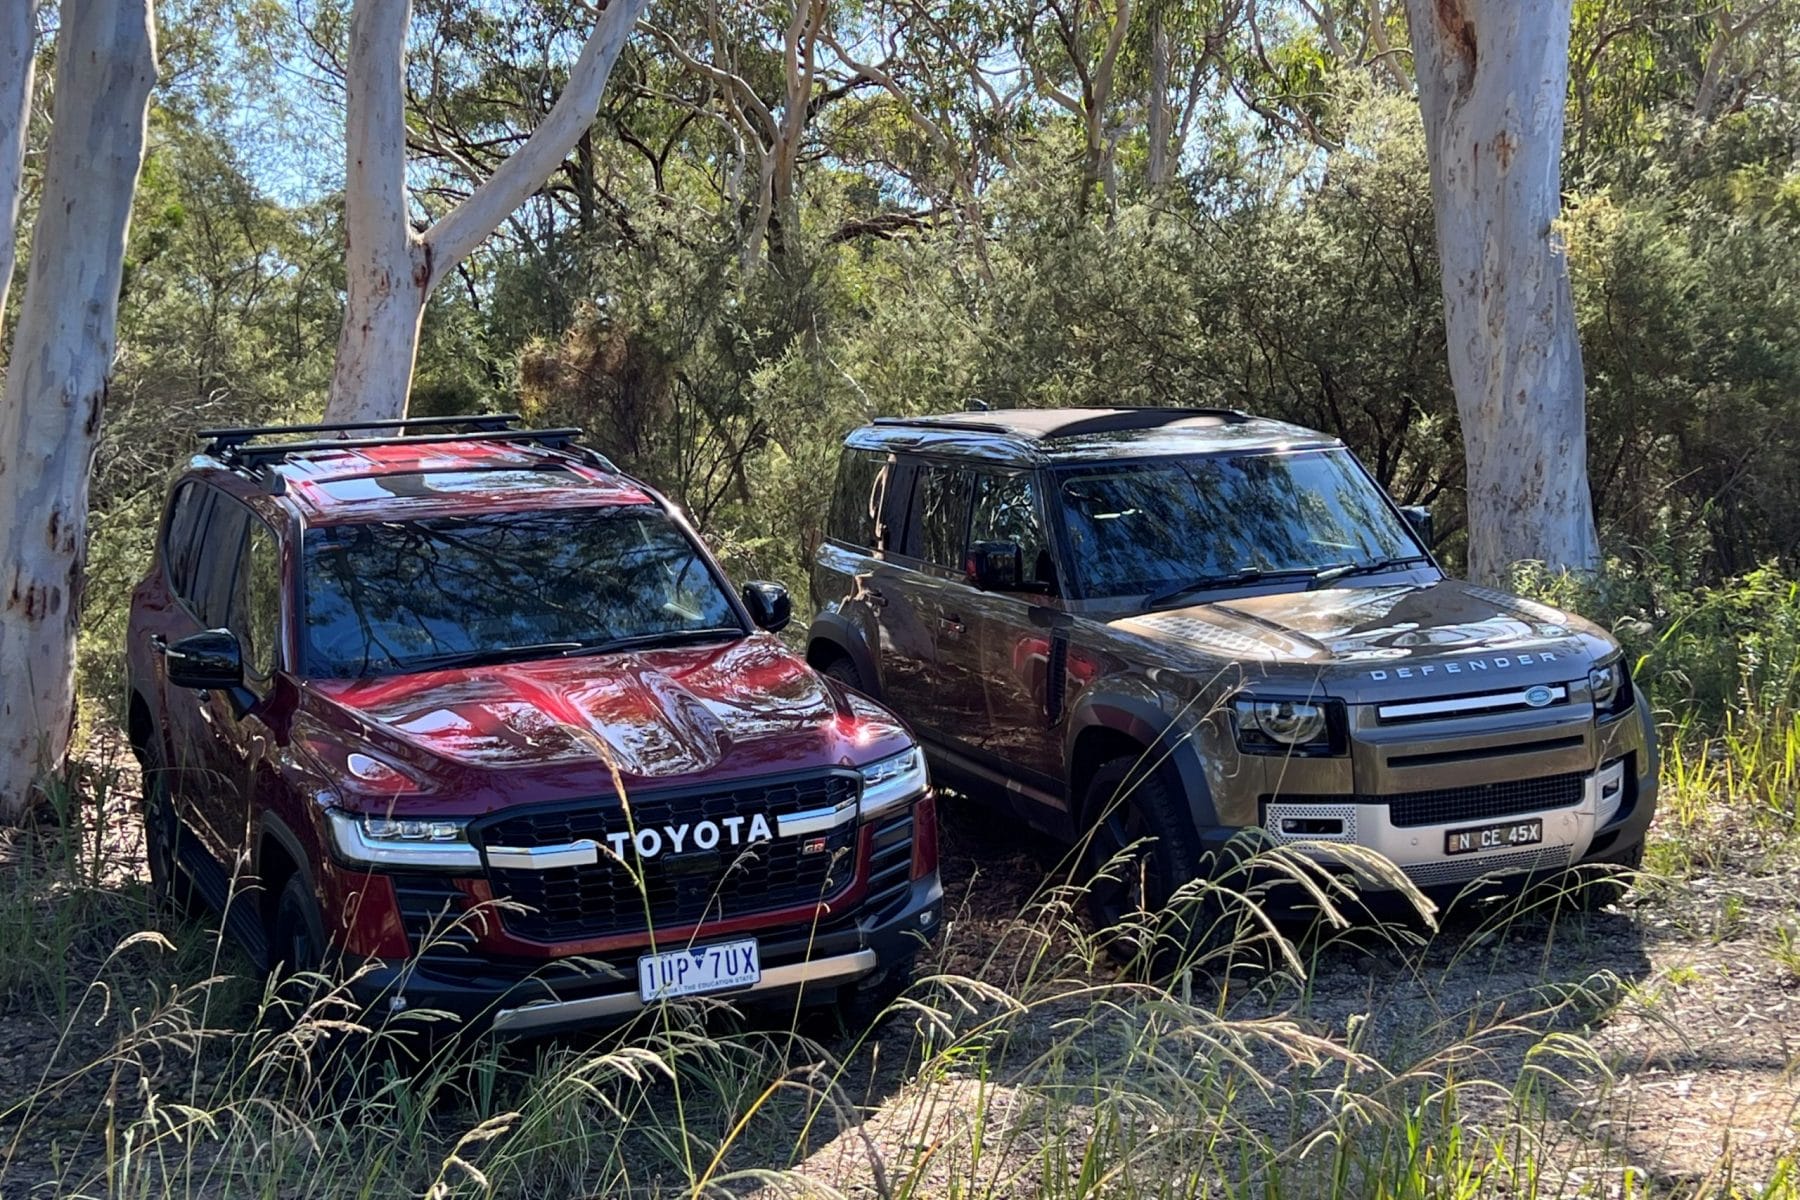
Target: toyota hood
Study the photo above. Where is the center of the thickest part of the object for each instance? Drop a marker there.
(523, 732)
(1445, 637)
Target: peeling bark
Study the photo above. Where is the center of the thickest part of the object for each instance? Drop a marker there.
(1492, 77)
(55, 389)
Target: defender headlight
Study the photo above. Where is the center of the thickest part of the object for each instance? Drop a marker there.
(403, 841)
(1282, 726)
(892, 782)
(1609, 686)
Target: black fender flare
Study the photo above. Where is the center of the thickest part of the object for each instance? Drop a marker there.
(834, 630)
(1141, 719)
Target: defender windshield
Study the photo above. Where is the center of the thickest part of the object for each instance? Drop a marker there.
(1168, 526)
(457, 591)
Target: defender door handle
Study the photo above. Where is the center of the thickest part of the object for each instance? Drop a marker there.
(953, 626)
(874, 597)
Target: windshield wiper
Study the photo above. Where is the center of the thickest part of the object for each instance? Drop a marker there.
(1344, 570)
(668, 637)
(1231, 579)
(488, 655)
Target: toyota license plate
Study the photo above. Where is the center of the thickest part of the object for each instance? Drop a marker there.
(1494, 837)
(719, 967)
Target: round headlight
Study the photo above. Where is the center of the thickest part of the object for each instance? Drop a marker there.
(1289, 722)
(1604, 682)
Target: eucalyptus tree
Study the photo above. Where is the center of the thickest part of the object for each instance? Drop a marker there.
(1492, 80)
(56, 380)
(390, 268)
(18, 59)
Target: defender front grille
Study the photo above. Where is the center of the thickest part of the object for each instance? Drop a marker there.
(1464, 805)
(572, 903)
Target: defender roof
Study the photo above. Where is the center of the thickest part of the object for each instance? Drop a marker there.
(419, 466)
(1047, 436)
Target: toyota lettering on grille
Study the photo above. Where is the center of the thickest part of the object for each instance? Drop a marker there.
(649, 841)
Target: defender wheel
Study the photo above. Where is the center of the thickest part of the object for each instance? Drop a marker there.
(844, 671)
(1142, 829)
(170, 888)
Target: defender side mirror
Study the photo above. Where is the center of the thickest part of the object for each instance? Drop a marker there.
(994, 566)
(769, 604)
(1419, 517)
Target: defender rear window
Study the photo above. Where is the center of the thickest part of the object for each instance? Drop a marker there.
(398, 596)
(855, 516)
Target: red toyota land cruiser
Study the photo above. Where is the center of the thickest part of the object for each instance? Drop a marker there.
(466, 705)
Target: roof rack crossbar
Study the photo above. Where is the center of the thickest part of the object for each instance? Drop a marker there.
(254, 456)
(223, 441)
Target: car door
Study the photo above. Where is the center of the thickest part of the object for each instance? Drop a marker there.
(926, 652)
(192, 565)
(1019, 656)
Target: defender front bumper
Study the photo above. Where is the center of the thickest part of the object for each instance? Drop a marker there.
(1420, 850)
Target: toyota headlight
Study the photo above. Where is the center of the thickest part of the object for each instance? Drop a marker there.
(891, 782)
(376, 841)
(1282, 726)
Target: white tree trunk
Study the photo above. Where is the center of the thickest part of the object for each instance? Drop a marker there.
(1492, 78)
(55, 389)
(17, 61)
(391, 270)
(387, 272)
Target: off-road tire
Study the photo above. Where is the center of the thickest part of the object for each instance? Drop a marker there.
(843, 669)
(1149, 808)
(171, 890)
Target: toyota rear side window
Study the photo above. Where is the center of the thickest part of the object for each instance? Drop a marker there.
(401, 596)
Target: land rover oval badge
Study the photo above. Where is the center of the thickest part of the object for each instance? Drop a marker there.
(1539, 696)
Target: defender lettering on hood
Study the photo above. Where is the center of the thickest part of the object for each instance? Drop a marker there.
(1471, 666)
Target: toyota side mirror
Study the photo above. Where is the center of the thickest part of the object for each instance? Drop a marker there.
(994, 566)
(1419, 517)
(206, 661)
(770, 607)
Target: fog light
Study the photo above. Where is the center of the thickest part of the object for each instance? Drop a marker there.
(1609, 792)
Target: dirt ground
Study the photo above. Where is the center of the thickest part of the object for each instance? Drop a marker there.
(1685, 991)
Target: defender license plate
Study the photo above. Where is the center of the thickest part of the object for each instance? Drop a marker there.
(1494, 837)
(719, 967)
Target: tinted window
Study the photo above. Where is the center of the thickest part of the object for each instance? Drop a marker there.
(181, 544)
(221, 546)
(856, 505)
(403, 595)
(1149, 526)
(256, 601)
(1006, 510)
(939, 520)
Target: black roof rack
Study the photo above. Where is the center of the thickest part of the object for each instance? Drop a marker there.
(221, 442)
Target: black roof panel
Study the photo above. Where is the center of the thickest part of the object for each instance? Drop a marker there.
(1056, 435)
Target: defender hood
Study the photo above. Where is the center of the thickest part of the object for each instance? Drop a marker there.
(669, 716)
(1437, 638)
